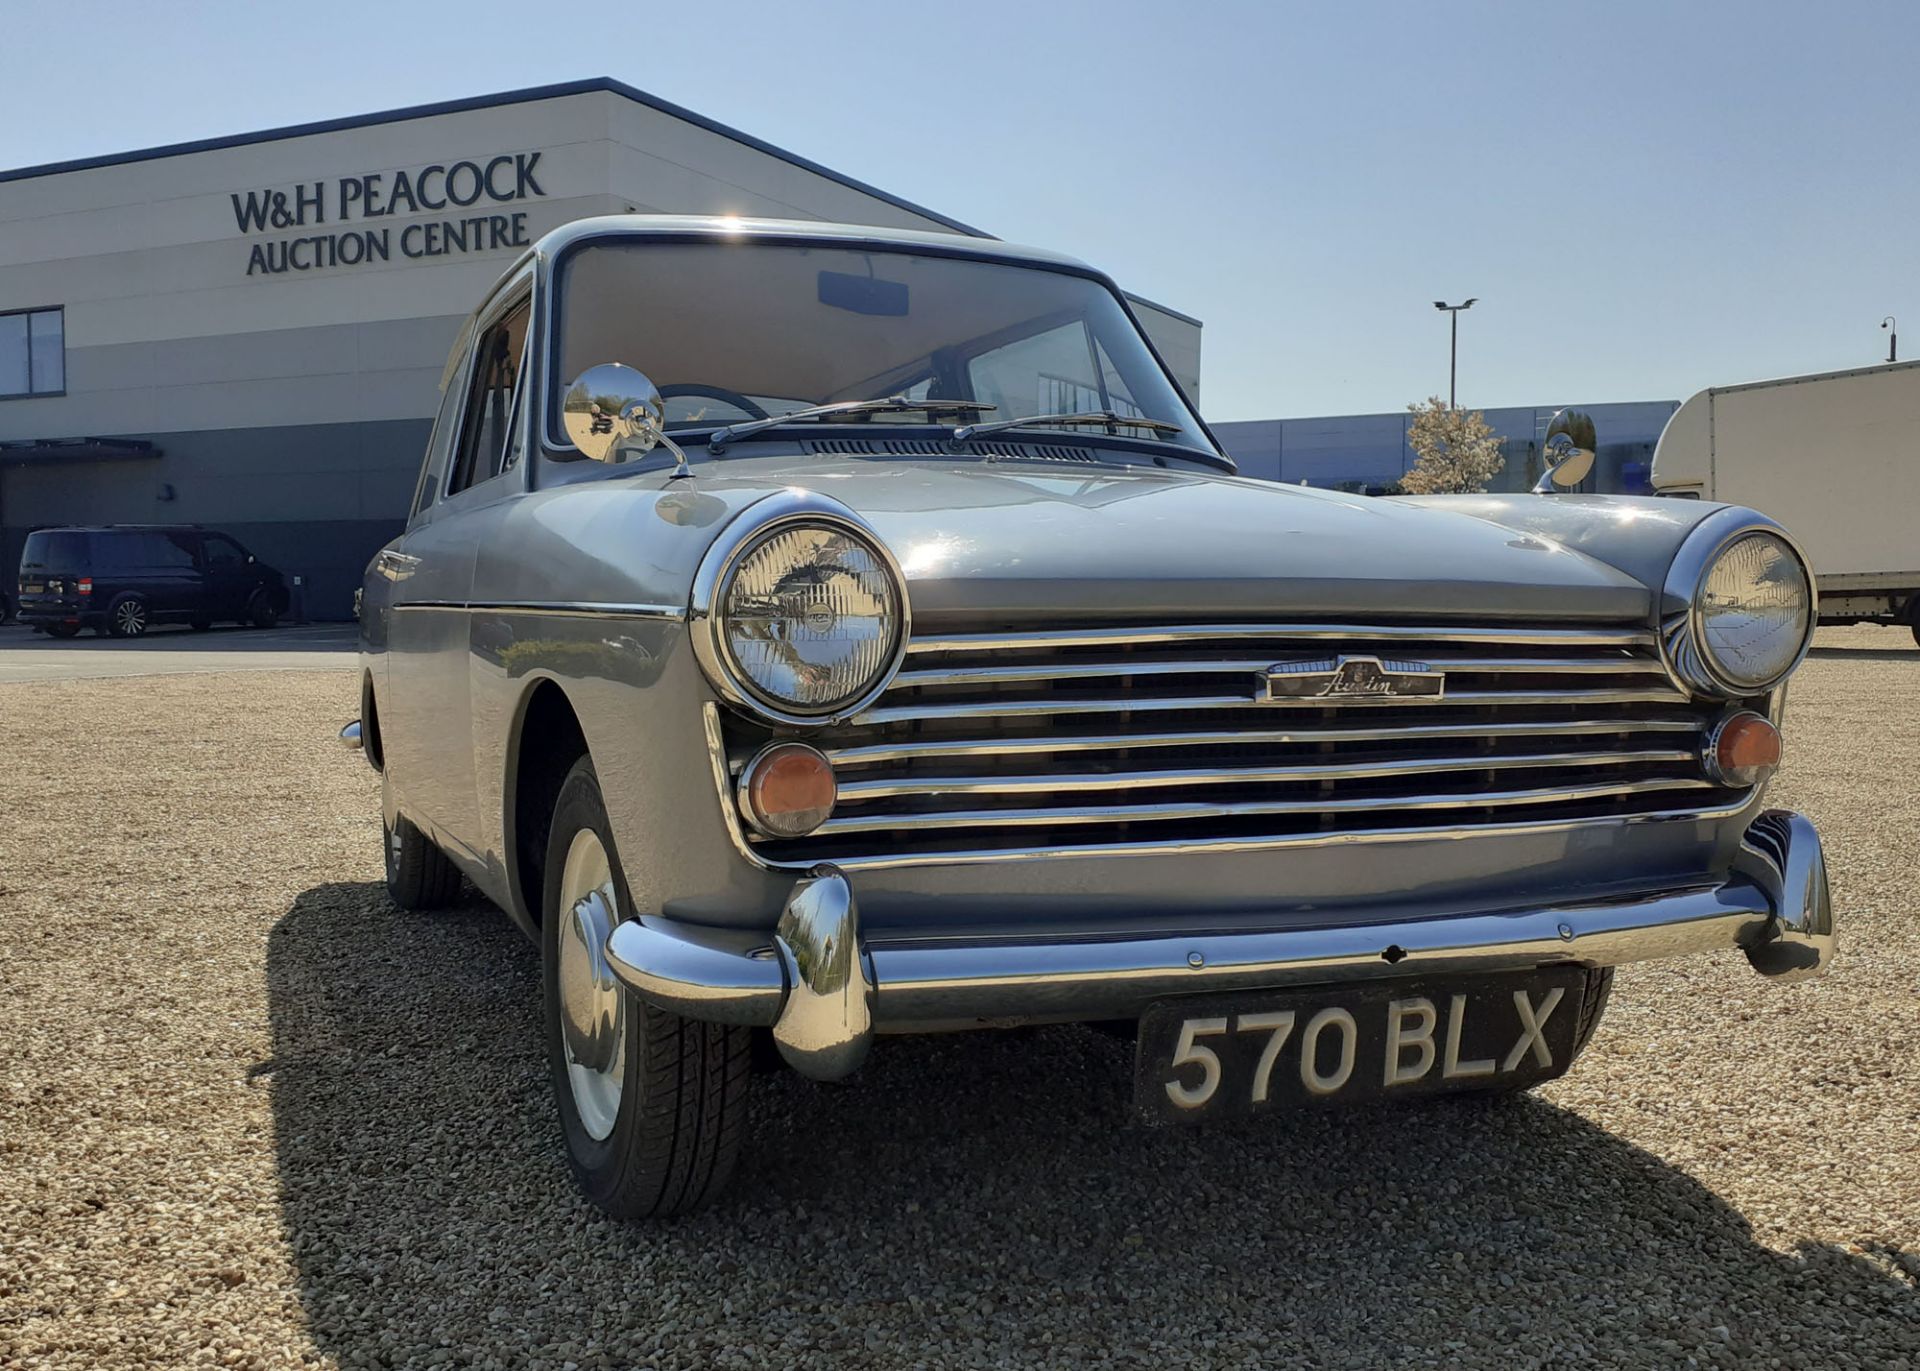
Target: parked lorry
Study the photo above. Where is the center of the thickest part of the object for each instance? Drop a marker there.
(1838, 456)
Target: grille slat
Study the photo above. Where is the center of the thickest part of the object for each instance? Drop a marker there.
(1056, 816)
(854, 792)
(1048, 640)
(1013, 708)
(1127, 738)
(872, 753)
(1091, 670)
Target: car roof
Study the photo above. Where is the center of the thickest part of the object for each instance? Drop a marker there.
(729, 228)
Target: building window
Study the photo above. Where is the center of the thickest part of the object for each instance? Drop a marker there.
(33, 353)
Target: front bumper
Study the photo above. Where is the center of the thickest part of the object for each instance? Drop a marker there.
(825, 992)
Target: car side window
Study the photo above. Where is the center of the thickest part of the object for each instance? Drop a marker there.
(486, 430)
(223, 554)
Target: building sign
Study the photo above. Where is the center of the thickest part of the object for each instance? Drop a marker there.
(357, 203)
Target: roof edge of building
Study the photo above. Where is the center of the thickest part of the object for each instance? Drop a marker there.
(527, 95)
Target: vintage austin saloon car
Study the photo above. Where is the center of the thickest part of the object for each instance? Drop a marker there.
(818, 632)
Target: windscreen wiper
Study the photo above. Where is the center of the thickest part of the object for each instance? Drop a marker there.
(892, 404)
(1104, 417)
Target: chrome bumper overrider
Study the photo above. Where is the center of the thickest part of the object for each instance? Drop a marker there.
(825, 992)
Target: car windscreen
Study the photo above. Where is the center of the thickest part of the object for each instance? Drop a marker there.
(739, 331)
(62, 549)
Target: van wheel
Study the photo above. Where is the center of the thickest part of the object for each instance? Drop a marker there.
(199, 625)
(419, 876)
(61, 630)
(1916, 632)
(260, 611)
(127, 617)
(652, 1106)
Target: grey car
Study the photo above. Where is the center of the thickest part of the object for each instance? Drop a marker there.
(808, 633)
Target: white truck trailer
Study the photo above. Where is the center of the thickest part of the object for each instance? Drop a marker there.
(1836, 458)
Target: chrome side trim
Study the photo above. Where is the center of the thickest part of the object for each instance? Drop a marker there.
(1181, 633)
(1159, 703)
(1010, 747)
(561, 608)
(1086, 814)
(1069, 782)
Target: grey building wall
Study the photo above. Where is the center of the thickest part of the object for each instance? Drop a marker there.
(315, 500)
(1370, 451)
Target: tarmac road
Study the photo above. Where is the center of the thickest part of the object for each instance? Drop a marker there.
(170, 651)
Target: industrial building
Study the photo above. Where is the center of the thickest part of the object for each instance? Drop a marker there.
(249, 332)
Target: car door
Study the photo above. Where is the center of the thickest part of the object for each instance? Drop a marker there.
(230, 577)
(161, 566)
(427, 734)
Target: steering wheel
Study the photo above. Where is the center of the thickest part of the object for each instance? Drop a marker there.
(720, 393)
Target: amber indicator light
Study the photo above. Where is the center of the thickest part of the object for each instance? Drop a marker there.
(789, 790)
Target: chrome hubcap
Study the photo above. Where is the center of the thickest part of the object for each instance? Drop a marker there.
(592, 1008)
(132, 617)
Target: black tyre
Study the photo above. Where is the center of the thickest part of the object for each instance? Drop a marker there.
(61, 630)
(199, 625)
(1916, 632)
(419, 876)
(652, 1106)
(261, 612)
(128, 617)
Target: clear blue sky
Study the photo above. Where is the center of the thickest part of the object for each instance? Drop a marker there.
(1647, 198)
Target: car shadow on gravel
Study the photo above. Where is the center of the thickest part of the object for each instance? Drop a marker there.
(976, 1200)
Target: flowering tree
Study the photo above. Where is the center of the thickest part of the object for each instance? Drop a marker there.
(1457, 454)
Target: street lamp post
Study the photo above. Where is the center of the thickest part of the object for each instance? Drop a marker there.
(1453, 357)
(1893, 338)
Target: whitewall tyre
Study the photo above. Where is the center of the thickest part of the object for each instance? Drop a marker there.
(652, 1106)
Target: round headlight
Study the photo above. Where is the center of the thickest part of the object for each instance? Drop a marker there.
(1755, 610)
(810, 618)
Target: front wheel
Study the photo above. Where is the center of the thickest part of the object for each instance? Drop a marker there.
(652, 1106)
(61, 630)
(261, 612)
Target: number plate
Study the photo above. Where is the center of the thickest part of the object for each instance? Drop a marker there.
(1212, 1056)
(32, 588)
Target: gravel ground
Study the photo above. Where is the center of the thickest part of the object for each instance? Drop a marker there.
(251, 1116)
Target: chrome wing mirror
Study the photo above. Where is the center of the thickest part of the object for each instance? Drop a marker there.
(1568, 452)
(611, 411)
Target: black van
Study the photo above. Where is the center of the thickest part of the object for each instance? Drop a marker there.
(125, 578)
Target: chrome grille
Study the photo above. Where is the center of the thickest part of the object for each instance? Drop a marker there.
(1128, 738)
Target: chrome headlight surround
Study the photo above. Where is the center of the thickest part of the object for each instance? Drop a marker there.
(1683, 638)
(790, 509)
